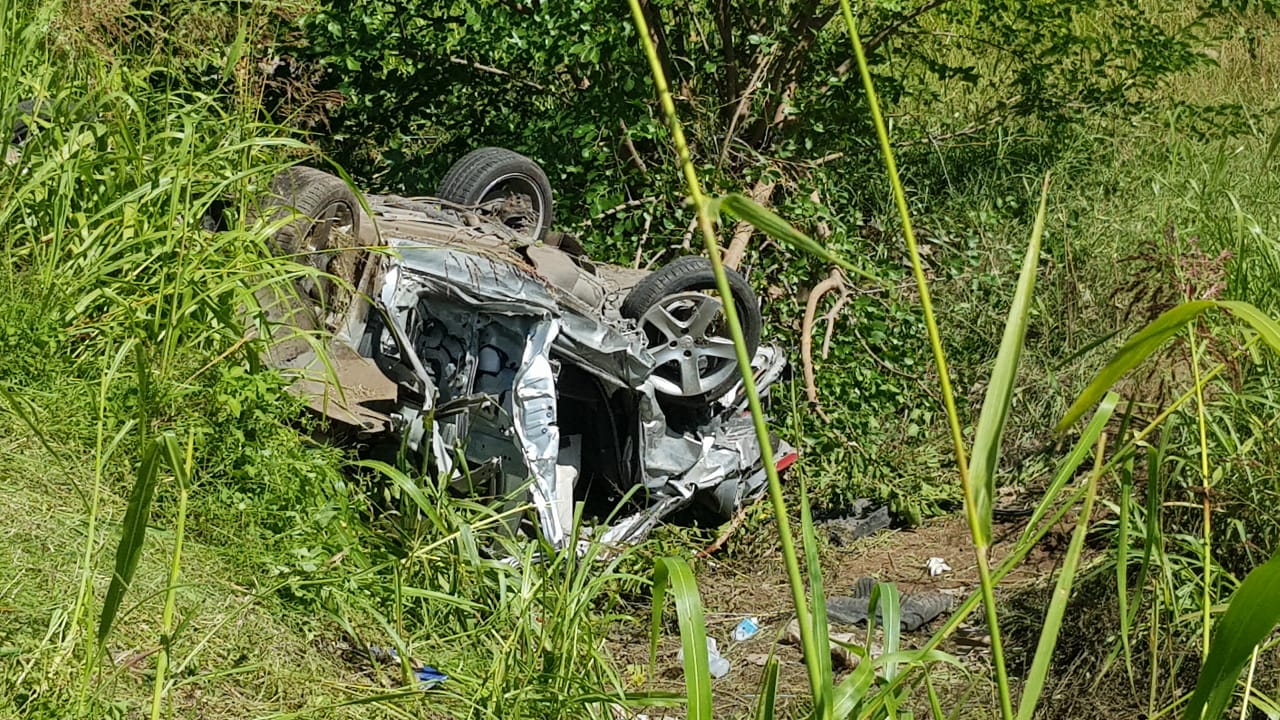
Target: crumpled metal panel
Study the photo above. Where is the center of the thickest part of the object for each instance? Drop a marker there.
(674, 466)
(537, 429)
(488, 284)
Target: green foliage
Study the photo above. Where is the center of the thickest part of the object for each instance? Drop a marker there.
(674, 574)
(1250, 619)
(131, 540)
(1004, 375)
(1145, 343)
(99, 218)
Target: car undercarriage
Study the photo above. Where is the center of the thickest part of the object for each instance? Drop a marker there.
(466, 331)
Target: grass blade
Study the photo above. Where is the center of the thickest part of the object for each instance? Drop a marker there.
(885, 598)
(1155, 493)
(1139, 347)
(771, 224)
(1250, 617)
(822, 700)
(851, 691)
(1004, 377)
(1266, 327)
(133, 533)
(406, 485)
(1061, 593)
(939, 358)
(766, 710)
(1122, 562)
(1142, 345)
(1067, 469)
(675, 574)
(182, 465)
(790, 557)
(935, 704)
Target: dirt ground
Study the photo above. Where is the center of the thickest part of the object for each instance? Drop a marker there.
(737, 588)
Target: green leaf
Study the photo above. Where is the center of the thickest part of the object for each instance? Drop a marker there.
(823, 700)
(407, 485)
(885, 599)
(1131, 354)
(234, 53)
(1004, 376)
(1067, 469)
(1266, 327)
(1052, 625)
(1250, 617)
(132, 536)
(674, 573)
(177, 460)
(1272, 146)
(771, 224)
(852, 690)
(1149, 339)
(1122, 561)
(768, 690)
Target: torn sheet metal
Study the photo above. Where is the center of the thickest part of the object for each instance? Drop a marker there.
(536, 428)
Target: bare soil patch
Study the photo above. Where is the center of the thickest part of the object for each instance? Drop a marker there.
(738, 587)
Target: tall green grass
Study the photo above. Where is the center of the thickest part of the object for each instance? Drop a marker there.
(139, 310)
(149, 327)
(868, 693)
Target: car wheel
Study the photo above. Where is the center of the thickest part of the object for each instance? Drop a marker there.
(326, 220)
(513, 187)
(25, 112)
(686, 330)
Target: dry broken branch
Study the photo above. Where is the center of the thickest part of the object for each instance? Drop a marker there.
(833, 282)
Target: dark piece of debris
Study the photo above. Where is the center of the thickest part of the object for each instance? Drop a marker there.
(915, 609)
(862, 521)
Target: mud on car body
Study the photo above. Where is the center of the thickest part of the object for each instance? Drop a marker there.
(561, 380)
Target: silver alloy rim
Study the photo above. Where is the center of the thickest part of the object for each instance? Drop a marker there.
(691, 355)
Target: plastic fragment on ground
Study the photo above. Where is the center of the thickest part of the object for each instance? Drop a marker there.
(746, 629)
(718, 665)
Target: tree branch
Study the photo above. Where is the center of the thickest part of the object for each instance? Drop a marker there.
(724, 27)
(832, 283)
(878, 39)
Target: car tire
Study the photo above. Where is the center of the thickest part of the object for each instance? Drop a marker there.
(681, 281)
(491, 173)
(311, 194)
(322, 204)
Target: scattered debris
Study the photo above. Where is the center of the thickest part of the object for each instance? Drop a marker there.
(427, 676)
(915, 609)
(937, 566)
(746, 629)
(862, 521)
(718, 665)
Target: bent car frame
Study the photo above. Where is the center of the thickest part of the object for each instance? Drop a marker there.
(492, 346)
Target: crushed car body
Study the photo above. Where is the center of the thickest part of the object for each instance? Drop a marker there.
(523, 370)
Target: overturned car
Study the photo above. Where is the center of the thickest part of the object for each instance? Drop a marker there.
(492, 346)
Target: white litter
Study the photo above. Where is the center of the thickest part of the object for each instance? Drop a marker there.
(937, 566)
